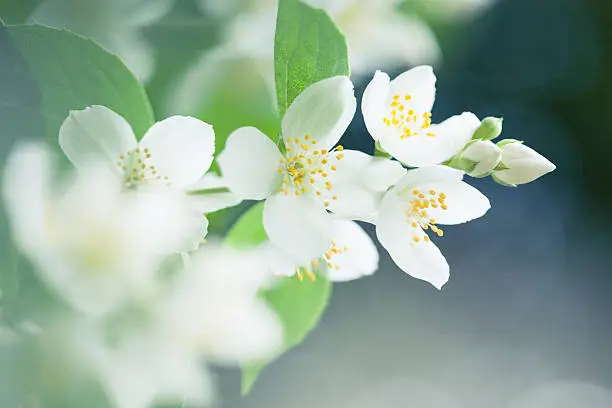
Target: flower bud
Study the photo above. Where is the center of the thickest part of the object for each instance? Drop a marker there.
(520, 164)
(489, 129)
(486, 156)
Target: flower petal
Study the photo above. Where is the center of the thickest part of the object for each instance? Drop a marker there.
(421, 260)
(427, 175)
(420, 84)
(359, 256)
(249, 164)
(93, 134)
(298, 225)
(374, 104)
(464, 203)
(208, 195)
(359, 184)
(181, 148)
(323, 110)
(422, 150)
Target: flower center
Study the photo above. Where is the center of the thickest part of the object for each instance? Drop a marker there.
(138, 168)
(417, 213)
(306, 168)
(408, 122)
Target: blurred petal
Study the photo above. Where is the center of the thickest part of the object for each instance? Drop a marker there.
(207, 195)
(249, 164)
(181, 147)
(323, 110)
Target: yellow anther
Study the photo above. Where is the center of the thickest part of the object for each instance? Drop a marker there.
(340, 156)
(401, 108)
(324, 151)
(280, 170)
(307, 137)
(416, 239)
(426, 238)
(297, 193)
(396, 97)
(334, 197)
(432, 192)
(315, 152)
(444, 207)
(288, 149)
(333, 168)
(440, 233)
(340, 148)
(314, 142)
(430, 134)
(312, 180)
(324, 161)
(289, 140)
(309, 160)
(415, 192)
(303, 189)
(304, 147)
(326, 204)
(408, 97)
(297, 140)
(414, 225)
(324, 174)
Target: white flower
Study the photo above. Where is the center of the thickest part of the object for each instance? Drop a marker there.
(484, 155)
(398, 115)
(214, 310)
(524, 164)
(94, 244)
(115, 24)
(296, 183)
(351, 255)
(175, 152)
(422, 200)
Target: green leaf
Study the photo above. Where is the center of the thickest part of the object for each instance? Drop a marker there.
(68, 72)
(298, 304)
(308, 48)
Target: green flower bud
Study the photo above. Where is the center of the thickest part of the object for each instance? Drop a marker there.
(489, 129)
(485, 154)
(521, 164)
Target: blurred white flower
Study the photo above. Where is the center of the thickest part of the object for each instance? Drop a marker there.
(296, 183)
(175, 152)
(351, 255)
(214, 310)
(93, 243)
(398, 115)
(115, 24)
(523, 164)
(423, 199)
(377, 33)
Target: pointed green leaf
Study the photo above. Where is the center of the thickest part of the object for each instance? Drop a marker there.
(308, 48)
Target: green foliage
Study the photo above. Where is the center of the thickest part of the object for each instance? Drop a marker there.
(308, 48)
(68, 72)
(299, 305)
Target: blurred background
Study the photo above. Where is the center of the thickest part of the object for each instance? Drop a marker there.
(524, 321)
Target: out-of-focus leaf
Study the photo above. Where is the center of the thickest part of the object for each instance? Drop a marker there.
(70, 72)
(308, 47)
(16, 11)
(299, 305)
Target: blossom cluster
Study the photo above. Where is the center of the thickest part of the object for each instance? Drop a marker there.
(126, 234)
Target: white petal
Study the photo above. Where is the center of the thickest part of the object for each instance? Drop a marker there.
(359, 183)
(281, 264)
(206, 199)
(428, 175)
(298, 225)
(181, 148)
(323, 110)
(422, 150)
(420, 83)
(374, 103)
(26, 189)
(464, 203)
(422, 260)
(249, 164)
(525, 164)
(93, 134)
(359, 257)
